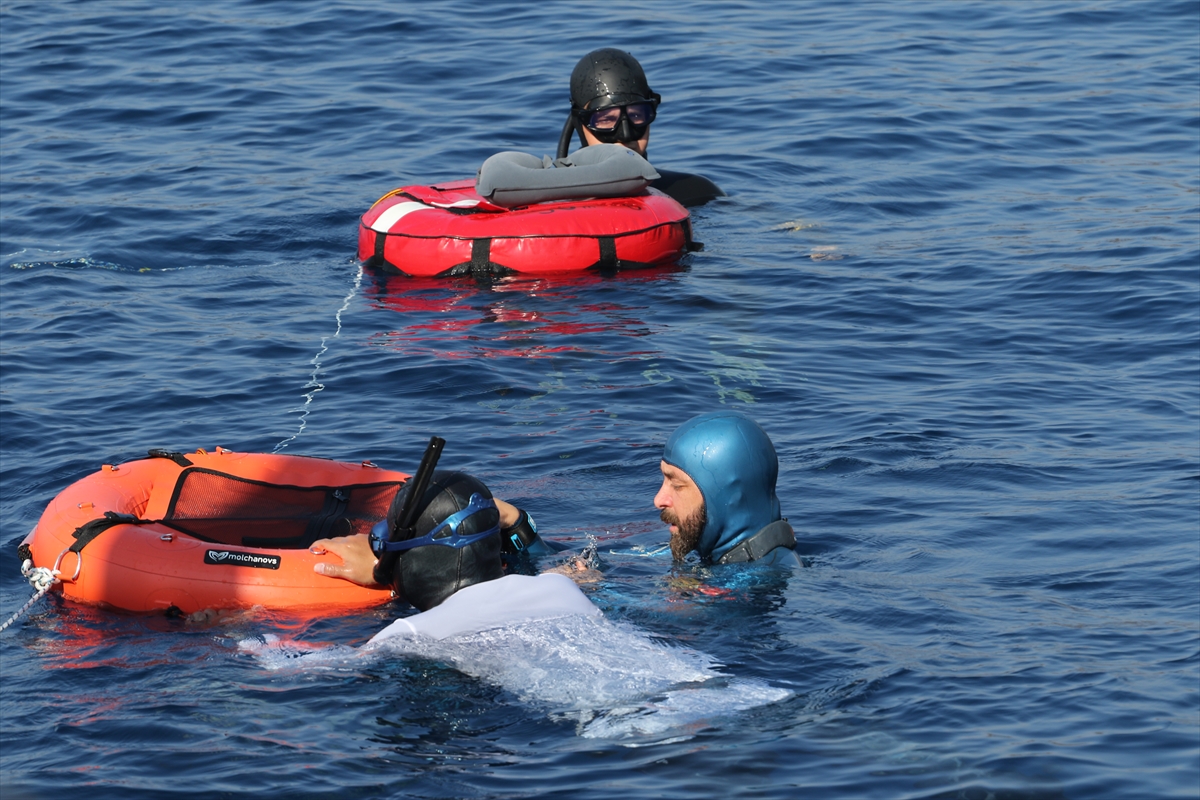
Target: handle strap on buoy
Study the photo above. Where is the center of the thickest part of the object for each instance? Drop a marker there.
(162, 452)
(87, 532)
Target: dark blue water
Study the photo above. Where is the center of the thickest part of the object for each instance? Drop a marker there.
(956, 278)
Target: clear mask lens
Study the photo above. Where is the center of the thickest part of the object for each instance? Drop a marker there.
(607, 119)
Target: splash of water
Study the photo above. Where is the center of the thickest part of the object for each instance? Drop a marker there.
(612, 679)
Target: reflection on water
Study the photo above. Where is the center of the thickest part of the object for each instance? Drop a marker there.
(514, 317)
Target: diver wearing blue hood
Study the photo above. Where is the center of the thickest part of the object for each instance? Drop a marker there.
(717, 495)
(718, 492)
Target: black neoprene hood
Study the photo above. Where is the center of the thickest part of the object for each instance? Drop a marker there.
(425, 576)
(608, 77)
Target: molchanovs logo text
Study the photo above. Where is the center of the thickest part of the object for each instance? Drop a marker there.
(241, 559)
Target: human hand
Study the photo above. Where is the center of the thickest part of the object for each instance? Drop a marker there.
(688, 586)
(578, 570)
(509, 514)
(358, 562)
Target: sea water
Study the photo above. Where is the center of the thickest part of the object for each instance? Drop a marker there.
(956, 278)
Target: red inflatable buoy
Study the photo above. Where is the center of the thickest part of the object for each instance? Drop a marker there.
(449, 229)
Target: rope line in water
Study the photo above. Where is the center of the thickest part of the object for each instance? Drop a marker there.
(314, 386)
(40, 579)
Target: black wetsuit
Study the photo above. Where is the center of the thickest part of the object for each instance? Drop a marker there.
(686, 189)
(774, 544)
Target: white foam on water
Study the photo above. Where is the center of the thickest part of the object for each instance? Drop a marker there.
(681, 709)
(314, 385)
(571, 663)
(613, 679)
(274, 653)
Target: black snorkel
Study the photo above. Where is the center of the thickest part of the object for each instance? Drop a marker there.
(564, 138)
(403, 529)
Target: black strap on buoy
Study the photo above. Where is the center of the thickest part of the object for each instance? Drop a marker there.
(608, 253)
(380, 242)
(407, 518)
(162, 452)
(481, 258)
(692, 245)
(87, 532)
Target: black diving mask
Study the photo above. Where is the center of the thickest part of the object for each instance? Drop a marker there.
(620, 123)
(446, 533)
(608, 119)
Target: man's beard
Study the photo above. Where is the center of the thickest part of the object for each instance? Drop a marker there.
(687, 534)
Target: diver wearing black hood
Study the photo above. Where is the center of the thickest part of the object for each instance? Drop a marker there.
(453, 542)
(611, 103)
(443, 532)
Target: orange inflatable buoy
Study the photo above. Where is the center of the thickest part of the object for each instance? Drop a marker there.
(184, 533)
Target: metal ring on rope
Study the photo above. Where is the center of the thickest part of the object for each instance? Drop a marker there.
(78, 564)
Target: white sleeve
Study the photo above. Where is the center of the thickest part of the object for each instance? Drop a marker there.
(510, 600)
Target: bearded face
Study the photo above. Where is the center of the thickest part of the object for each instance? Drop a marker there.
(686, 535)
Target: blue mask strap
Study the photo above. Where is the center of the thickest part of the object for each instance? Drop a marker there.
(444, 534)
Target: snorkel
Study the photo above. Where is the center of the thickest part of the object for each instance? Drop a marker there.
(564, 138)
(403, 529)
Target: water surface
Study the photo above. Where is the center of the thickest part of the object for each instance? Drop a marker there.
(955, 278)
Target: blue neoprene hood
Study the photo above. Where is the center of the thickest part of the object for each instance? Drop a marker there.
(734, 465)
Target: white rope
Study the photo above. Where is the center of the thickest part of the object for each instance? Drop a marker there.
(40, 579)
(314, 386)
